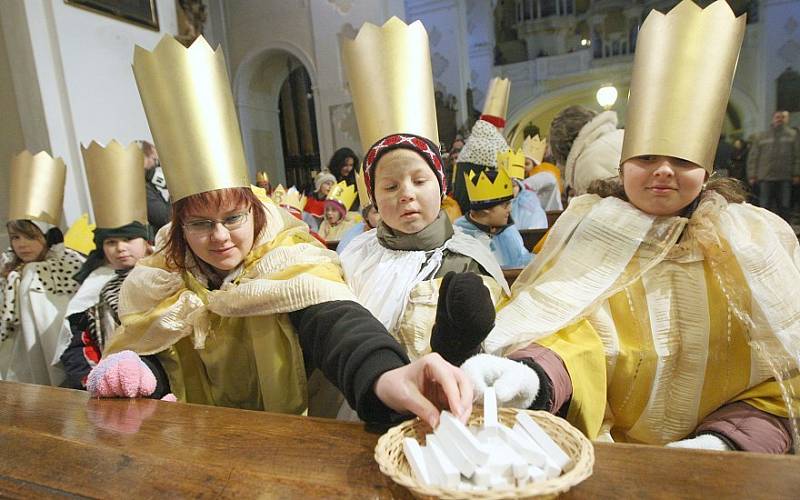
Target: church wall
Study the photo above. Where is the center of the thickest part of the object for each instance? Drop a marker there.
(81, 62)
(12, 140)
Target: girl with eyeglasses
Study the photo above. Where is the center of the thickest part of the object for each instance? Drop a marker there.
(240, 303)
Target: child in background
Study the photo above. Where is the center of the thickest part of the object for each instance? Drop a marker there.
(314, 211)
(338, 219)
(36, 275)
(489, 218)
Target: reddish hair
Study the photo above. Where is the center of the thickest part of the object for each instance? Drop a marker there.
(176, 247)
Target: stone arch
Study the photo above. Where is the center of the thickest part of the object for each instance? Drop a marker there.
(256, 86)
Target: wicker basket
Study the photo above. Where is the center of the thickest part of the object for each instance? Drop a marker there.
(392, 461)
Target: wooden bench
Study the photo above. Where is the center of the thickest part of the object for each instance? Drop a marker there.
(532, 236)
(60, 443)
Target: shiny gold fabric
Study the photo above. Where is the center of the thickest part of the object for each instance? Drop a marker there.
(234, 346)
(658, 333)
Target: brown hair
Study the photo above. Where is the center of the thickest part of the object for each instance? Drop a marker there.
(176, 247)
(564, 128)
(28, 229)
(732, 190)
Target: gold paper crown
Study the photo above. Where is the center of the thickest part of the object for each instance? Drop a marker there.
(278, 194)
(534, 148)
(344, 193)
(391, 82)
(496, 103)
(485, 189)
(36, 187)
(189, 107)
(295, 199)
(116, 183)
(262, 176)
(513, 163)
(682, 75)
(361, 185)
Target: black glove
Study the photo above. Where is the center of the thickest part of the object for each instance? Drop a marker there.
(464, 317)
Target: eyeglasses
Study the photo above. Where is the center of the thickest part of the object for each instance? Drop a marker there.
(207, 226)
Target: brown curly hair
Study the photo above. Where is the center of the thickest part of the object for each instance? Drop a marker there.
(564, 128)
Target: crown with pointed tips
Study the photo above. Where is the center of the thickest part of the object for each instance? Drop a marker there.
(513, 162)
(534, 148)
(344, 193)
(295, 199)
(278, 194)
(116, 183)
(36, 187)
(682, 76)
(262, 176)
(482, 188)
(495, 107)
(391, 81)
(361, 185)
(189, 106)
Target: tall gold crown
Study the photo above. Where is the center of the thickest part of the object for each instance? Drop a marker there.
(189, 106)
(534, 148)
(116, 183)
(512, 162)
(361, 185)
(295, 199)
(495, 107)
(262, 176)
(682, 76)
(344, 193)
(36, 187)
(480, 188)
(391, 81)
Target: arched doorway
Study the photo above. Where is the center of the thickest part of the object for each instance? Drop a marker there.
(298, 128)
(275, 100)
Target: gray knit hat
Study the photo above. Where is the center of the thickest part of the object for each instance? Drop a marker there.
(322, 178)
(482, 146)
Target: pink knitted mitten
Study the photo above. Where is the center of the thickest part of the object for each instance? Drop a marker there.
(123, 374)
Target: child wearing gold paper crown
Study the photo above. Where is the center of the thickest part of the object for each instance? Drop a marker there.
(122, 237)
(35, 273)
(658, 312)
(239, 304)
(489, 218)
(414, 272)
(338, 219)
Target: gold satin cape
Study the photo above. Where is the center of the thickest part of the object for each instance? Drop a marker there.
(659, 319)
(234, 346)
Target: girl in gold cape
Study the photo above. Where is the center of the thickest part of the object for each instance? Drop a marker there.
(240, 304)
(659, 312)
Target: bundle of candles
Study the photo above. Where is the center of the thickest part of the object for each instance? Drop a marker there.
(493, 456)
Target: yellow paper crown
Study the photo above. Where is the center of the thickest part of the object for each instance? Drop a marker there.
(278, 194)
(391, 81)
(496, 103)
(189, 107)
(116, 183)
(262, 176)
(513, 162)
(36, 187)
(682, 76)
(344, 193)
(295, 199)
(484, 189)
(361, 185)
(534, 148)
(80, 235)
